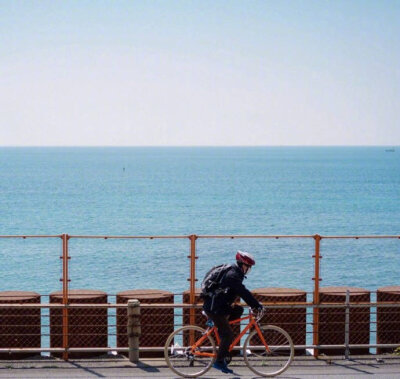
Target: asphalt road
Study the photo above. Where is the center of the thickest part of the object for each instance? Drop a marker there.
(119, 367)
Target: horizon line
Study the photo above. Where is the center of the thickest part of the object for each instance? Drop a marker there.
(185, 146)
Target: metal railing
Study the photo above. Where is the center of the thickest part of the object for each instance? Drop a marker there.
(313, 308)
(357, 336)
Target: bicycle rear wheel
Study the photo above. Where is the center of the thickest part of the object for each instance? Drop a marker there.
(179, 355)
(272, 362)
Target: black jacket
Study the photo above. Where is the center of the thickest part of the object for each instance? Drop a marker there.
(233, 281)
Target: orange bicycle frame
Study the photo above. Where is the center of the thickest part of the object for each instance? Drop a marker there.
(214, 330)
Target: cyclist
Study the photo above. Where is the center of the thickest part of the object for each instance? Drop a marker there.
(220, 308)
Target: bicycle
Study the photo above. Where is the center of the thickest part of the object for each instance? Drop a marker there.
(190, 351)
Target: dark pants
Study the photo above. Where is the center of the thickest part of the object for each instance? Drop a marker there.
(225, 330)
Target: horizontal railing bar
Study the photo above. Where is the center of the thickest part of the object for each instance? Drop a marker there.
(33, 236)
(61, 350)
(293, 236)
(157, 349)
(298, 347)
(102, 305)
(31, 350)
(357, 305)
(255, 236)
(359, 237)
(106, 305)
(200, 236)
(89, 294)
(127, 237)
(351, 346)
(198, 306)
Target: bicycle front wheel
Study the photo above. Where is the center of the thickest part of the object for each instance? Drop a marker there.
(184, 360)
(269, 361)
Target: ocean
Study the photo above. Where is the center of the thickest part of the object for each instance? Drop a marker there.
(178, 191)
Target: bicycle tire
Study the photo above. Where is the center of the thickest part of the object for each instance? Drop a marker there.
(271, 363)
(178, 357)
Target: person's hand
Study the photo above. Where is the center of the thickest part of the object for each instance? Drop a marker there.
(258, 312)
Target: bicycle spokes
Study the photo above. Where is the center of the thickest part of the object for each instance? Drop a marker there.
(189, 360)
(272, 359)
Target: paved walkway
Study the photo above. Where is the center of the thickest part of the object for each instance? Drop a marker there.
(119, 367)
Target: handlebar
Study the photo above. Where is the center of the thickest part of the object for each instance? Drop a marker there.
(258, 315)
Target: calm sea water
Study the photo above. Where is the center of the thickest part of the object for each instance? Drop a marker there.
(205, 191)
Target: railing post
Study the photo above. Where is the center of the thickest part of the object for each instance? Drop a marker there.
(133, 329)
(192, 279)
(347, 325)
(65, 281)
(316, 279)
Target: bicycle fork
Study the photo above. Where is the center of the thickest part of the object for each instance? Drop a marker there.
(262, 337)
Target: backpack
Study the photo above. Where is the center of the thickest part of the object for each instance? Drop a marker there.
(212, 280)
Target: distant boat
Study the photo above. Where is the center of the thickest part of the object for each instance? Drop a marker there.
(390, 150)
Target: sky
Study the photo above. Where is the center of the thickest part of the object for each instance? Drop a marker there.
(195, 73)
